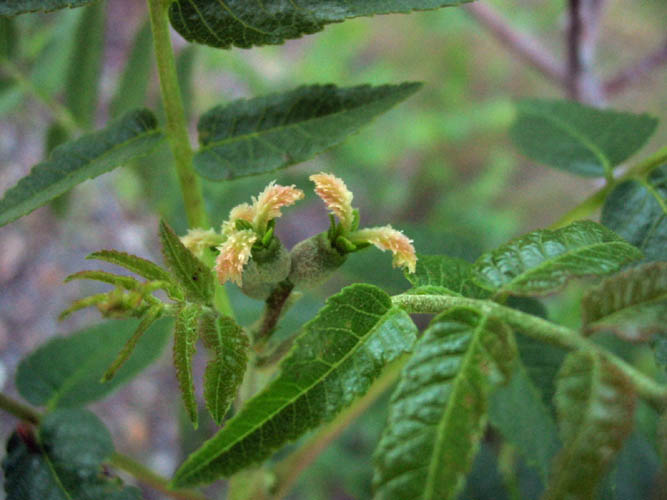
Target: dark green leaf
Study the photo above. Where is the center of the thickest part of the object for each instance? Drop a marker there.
(441, 274)
(85, 65)
(8, 38)
(133, 85)
(542, 362)
(633, 304)
(637, 210)
(635, 473)
(239, 23)
(659, 345)
(15, 7)
(56, 135)
(129, 137)
(595, 403)
(254, 136)
(438, 411)
(185, 339)
(335, 360)
(541, 261)
(63, 462)
(191, 273)
(224, 373)
(580, 139)
(67, 371)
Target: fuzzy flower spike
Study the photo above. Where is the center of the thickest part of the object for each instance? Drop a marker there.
(388, 238)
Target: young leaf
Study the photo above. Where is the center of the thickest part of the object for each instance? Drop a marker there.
(438, 411)
(335, 360)
(63, 462)
(542, 261)
(637, 210)
(67, 371)
(129, 137)
(191, 273)
(633, 304)
(185, 339)
(238, 23)
(582, 140)
(126, 282)
(441, 274)
(254, 136)
(16, 7)
(224, 373)
(595, 404)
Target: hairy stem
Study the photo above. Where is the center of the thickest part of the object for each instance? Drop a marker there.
(177, 128)
(539, 329)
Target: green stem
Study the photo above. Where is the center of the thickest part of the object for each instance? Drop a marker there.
(539, 329)
(177, 128)
(19, 410)
(595, 201)
(61, 114)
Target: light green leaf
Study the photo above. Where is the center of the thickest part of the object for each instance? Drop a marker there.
(633, 304)
(335, 360)
(185, 339)
(224, 372)
(64, 462)
(438, 411)
(15, 7)
(637, 210)
(441, 274)
(191, 273)
(129, 137)
(254, 136)
(595, 403)
(133, 84)
(226, 23)
(85, 65)
(542, 261)
(580, 139)
(126, 282)
(67, 371)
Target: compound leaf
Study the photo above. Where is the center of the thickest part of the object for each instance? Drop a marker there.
(191, 273)
(254, 136)
(637, 210)
(438, 412)
(335, 360)
(441, 274)
(131, 136)
(595, 404)
(633, 304)
(245, 24)
(15, 7)
(580, 139)
(63, 462)
(185, 339)
(541, 261)
(66, 372)
(224, 372)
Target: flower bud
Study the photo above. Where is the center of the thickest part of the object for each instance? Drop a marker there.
(313, 261)
(266, 268)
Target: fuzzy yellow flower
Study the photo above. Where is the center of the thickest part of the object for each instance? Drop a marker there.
(198, 240)
(336, 197)
(234, 255)
(388, 238)
(269, 202)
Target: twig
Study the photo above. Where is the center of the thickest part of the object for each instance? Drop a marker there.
(273, 310)
(638, 71)
(19, 410)
(526, 47)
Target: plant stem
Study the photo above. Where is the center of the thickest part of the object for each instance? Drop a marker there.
(150, 478)
(18, 409)
(539, 329)
(177, 128)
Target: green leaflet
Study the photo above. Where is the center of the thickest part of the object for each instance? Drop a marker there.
(83, 357)
(8, 38)
(185, 339)
(637, 210)
(633, 304)
(63, 462)
(129, 137)
(224, 372)
(239, 23)
(126, 282)
(441, 274)
(192, 274)
(15, 7)
(254, 136)
(582, 140)
(438, 411)
(595, 404)
(335, 360)
(541, 261)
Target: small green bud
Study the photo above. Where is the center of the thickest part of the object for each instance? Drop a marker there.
(265, 269)
(313, 261)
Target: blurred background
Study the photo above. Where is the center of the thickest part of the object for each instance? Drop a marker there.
(439, 166)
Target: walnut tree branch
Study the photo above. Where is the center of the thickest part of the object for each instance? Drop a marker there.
(637, 71)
